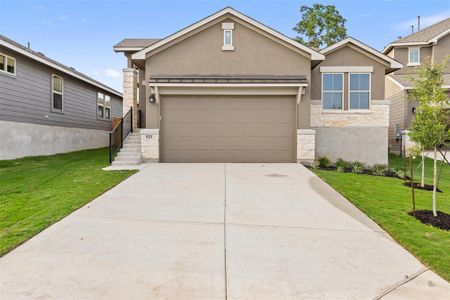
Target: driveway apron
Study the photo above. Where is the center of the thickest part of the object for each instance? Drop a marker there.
(216, 231)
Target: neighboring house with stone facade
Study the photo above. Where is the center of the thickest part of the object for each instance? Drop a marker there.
(430, 44)
(230, 89)
(47, 107)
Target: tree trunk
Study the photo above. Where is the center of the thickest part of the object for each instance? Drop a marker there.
(434, 181)
(423, 170)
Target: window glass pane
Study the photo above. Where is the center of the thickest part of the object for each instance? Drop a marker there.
(413, 55)
(227, 39)
(327, 82)
(100, 98)
(57, 101)
(11, 65)
(100, 111)
(359, 82)
(337, 82)
(2, 62)
(332, 82)
(107, 113)
(107, 101)
(332, 100)
(359, 100)
(57, 84)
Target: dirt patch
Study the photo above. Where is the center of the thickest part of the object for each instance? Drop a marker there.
(418, 186)
(442, 220)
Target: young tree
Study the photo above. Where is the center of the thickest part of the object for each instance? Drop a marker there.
(321, 25)
(429, 127)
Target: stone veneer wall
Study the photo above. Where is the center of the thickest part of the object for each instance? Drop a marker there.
(150, 145)
(130, 92)
(306, 145)
(359, 135)
(378, 115)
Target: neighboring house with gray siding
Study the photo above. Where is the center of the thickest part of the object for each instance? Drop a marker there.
(230, 89)
(431, 44)
(47, 107)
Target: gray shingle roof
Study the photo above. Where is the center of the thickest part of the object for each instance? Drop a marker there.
(427, 33)
(68, 69)
(405, 80)
(138, 43)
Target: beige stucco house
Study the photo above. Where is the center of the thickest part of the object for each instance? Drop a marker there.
(431, 44)
(230, 89)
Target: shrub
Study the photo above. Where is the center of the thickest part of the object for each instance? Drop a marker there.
(323, 161)
(315, 164)
(400, 173)
(342, 165)
(379, 169)
(357, 167)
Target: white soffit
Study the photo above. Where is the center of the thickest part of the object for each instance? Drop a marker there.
(315, 55)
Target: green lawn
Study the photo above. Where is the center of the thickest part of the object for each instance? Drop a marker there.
(387, 202)
(36, 192)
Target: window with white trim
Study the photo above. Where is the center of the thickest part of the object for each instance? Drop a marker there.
(7, 64)
(359, 90)
(332, 90)
(57, 93)
(414, 56)
(228, 38)
(103, 106)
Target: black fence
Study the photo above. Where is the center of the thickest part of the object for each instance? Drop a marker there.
(119, 134)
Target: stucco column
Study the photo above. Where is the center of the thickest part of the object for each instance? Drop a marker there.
(306, 145)
(130, 92)
(407, 144)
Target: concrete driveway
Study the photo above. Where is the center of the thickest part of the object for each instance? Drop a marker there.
(216, 231)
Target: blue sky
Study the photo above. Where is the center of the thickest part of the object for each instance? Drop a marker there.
(81, 33)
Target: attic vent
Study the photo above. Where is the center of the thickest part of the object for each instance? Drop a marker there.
(40, 54)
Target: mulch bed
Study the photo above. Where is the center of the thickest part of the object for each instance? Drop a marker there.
(442, 220)
(418, 186)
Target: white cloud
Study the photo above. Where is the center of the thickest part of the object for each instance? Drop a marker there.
(425, 21)
(63, 18)
(46, 21)
(112, 73)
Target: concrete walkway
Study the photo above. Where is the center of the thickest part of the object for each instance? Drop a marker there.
(216, 231)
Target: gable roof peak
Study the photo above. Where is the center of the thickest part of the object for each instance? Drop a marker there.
(425, 36)
(315, 55)
(393, 64)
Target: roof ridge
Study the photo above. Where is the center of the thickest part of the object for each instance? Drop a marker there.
(423, 29)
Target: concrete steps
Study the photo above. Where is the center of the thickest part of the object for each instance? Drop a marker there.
(130, 154)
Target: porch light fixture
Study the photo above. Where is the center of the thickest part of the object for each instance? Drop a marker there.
(152, 98)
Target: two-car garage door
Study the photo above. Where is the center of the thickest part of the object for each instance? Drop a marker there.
(228, 129)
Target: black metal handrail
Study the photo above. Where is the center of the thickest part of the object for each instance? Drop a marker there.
(120, 133)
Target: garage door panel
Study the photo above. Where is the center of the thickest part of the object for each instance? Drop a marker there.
(228, 129)
(260, 130)
(284, 130)
(259, 115)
